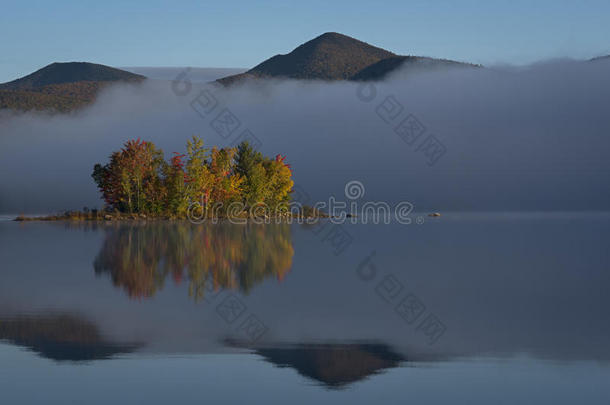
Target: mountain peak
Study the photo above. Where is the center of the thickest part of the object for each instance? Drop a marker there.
(70, 72)
(333, 36)
(330, 56)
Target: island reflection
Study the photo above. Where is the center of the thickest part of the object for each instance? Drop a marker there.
(140, 257)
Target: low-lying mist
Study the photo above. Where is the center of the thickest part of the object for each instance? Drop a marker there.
(532, 138)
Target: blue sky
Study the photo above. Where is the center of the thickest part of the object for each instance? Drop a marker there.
(243, 33)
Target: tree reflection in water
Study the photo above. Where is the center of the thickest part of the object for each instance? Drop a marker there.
(140, 257)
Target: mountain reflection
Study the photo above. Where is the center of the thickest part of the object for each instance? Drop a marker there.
(140, 257)
(334, 365)
(61, 337)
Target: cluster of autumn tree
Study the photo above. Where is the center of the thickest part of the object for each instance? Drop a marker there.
(138, 179)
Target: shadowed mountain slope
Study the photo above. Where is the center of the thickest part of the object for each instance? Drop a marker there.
(381, 69)
(61, 86)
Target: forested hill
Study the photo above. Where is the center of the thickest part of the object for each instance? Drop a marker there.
(61, 86)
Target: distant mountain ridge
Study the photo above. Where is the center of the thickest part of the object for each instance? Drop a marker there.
(334, 56)
(61, 87)
(598, 58)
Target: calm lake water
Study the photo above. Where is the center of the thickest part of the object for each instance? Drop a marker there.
(466, 308)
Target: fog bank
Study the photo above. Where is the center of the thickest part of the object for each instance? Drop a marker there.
(533, 138)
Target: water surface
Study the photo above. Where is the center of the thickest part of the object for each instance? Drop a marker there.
(468, 308)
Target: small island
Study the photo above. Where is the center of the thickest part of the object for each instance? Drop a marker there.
(138, 183)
